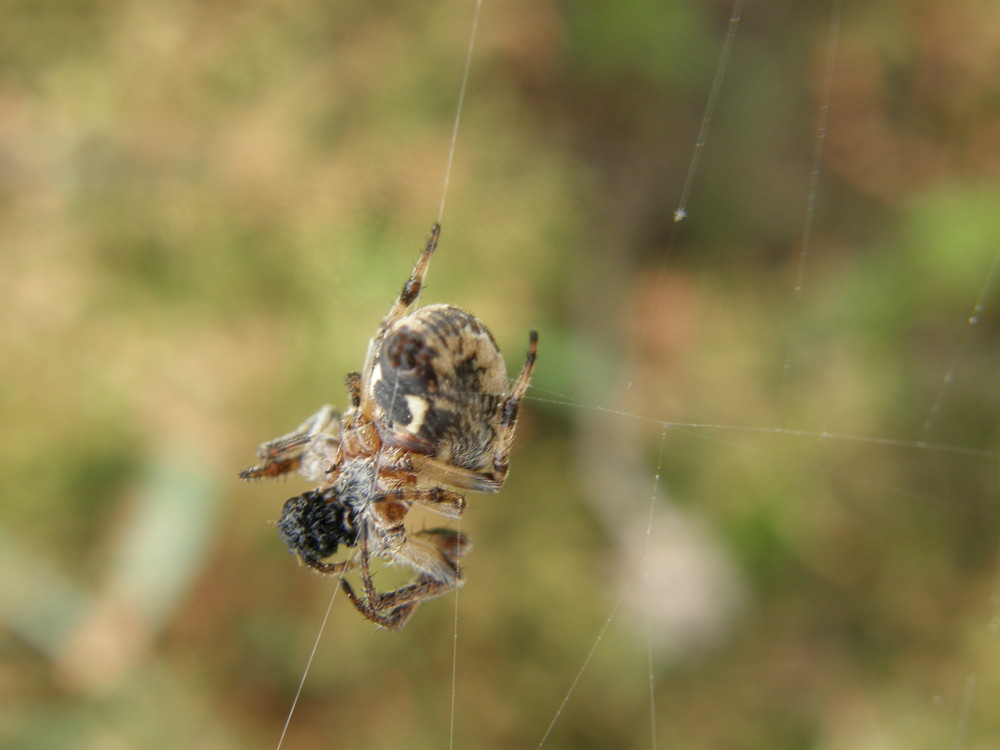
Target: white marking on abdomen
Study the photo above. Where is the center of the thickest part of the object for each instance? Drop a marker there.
(418, 409)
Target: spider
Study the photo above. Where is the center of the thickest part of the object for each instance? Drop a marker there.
(430, 416)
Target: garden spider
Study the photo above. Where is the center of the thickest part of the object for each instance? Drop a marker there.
(430, 415)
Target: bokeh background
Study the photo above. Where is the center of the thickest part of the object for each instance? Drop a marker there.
(206, 208)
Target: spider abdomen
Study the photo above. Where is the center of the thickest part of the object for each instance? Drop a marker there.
(436, 383)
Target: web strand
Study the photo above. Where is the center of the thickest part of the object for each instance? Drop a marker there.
(651, 675)
(681, 212)
(459, 107)
(819, 142)
(309, 661)
(971, 323)
(588, 658)
(816, 434)
(641, 567)
(816, 168)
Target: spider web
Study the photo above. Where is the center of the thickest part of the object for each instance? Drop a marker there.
(676, 596)
(944, 711)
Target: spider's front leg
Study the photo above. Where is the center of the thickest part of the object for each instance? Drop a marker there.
(408, 295)
(411, 289)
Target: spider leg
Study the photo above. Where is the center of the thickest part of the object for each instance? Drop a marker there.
(391, 610)
(434, 556)
(408, 295)
(354, 388)
(328, 569)
(411, 289)
(510, 406)
(453, 544)
(365, 564)
(438, 499)
(286, 453)
(453, 476)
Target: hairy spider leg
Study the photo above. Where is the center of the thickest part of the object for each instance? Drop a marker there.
(446, 502)
(284, 454)
(434, 556)
(413, 285)
(510, 406)
(333, 568)
(408, 295)
(395, 608)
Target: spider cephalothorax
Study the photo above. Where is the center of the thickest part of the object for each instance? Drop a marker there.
(431, 415)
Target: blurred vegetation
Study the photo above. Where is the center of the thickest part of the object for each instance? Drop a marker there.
(206, 208)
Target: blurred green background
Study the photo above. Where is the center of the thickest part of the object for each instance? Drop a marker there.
(205, 210)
